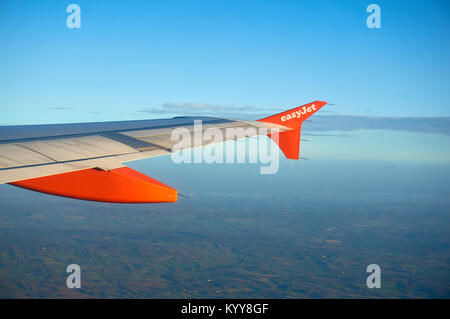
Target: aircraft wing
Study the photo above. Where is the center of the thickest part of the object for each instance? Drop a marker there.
(85, 161)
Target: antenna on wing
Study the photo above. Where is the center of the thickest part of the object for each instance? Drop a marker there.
(187, 197)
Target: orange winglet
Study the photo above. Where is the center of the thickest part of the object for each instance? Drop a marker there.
(121, 185)
(289, 141)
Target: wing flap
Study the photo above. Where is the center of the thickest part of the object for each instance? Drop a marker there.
(75, 148)
(12, 155)
(9, 175)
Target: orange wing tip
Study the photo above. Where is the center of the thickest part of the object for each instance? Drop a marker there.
(289, 141)
(121, 185)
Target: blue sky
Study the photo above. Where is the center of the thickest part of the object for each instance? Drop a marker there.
(134, 60)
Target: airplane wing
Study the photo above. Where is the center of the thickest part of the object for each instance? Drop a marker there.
(86, 161)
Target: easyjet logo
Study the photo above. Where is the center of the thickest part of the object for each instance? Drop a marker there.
(298, 113)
